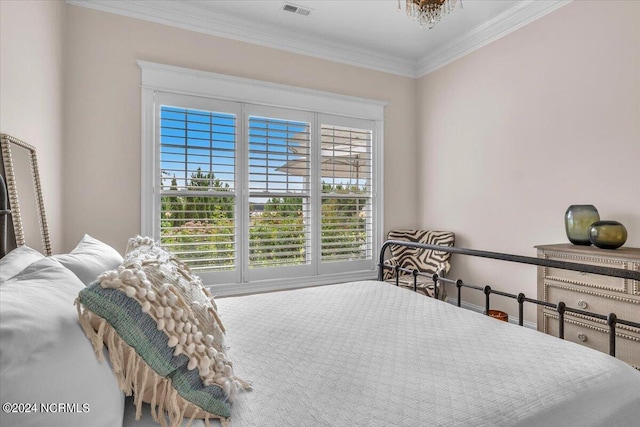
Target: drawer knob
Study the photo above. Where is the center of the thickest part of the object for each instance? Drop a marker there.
(582, 304)
(582, 337)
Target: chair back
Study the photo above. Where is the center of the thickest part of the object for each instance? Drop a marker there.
(424, 260)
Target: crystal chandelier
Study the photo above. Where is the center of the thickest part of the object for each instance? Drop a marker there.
(429, 12)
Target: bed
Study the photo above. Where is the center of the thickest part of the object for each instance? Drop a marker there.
(367, 353)
(363, 353)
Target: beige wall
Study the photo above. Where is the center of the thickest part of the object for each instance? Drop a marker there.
(507, 137)
(514, 133)
(31, 69)
(102, 151)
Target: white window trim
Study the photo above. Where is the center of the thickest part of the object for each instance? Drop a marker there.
(177, 80)
(167, 78)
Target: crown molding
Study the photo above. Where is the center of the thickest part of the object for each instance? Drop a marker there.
(510, 20)
(192, 17)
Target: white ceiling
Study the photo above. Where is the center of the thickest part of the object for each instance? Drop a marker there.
(368, 33)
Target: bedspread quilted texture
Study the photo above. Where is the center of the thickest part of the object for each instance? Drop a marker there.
(370, 354)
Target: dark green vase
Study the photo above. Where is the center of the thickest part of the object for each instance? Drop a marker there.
(577, 220)
(607, 234)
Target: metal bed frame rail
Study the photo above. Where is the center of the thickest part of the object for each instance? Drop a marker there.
(4, 217)
(561, 308)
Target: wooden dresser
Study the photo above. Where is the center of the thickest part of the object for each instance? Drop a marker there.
(594, 293)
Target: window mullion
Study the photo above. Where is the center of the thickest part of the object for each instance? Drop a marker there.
(243, 199)
(316, 192)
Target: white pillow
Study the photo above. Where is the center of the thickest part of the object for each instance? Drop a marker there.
(90, 258)
(16, 261)
(45, 357)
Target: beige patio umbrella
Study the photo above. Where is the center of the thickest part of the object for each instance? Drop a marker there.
(345, 154)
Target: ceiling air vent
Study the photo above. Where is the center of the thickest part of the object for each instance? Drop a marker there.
(288, 7)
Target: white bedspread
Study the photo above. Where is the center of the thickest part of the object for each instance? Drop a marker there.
(370, 354)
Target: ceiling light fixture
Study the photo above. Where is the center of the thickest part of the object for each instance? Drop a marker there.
(428, 12)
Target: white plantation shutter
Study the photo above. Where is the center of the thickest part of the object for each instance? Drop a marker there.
(346, 196)
(197, 160)
(279, 203)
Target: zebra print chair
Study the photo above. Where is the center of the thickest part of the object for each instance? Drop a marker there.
(425, 261)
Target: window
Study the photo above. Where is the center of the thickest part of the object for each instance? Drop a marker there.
(197, 190)
(245, 192)
(346, 193)
(279, 192)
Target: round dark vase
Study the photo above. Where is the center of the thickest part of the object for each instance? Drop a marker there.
(607, 234)
(577, 220)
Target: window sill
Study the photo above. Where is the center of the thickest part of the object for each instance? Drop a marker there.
(235, 289)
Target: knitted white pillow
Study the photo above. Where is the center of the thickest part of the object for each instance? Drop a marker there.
(165, 339)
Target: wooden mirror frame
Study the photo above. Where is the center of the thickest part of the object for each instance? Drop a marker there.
(6, 143)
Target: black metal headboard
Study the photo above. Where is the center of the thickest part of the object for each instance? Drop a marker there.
(4, 216)
(610, 318)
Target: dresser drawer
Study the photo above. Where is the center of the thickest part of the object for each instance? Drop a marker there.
(596, 337)
(574, 298)
(594, 293)
(588, 279)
